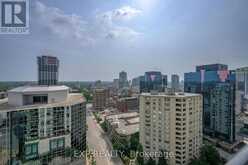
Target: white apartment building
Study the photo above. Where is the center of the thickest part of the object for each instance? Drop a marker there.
(171, 123)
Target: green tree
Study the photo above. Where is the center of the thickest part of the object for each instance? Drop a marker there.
(140, 159)
(151, 162)
(198, 162)
(210, 155)
(162, 159)
(134, 142)
(87, 95)
(104, 126)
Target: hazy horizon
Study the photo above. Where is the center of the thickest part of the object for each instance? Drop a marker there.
(95, 39)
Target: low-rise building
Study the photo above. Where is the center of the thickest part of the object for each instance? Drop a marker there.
(245, 103)
(125, 92)
(3, 95)
(122, 126)
(242, 125)
(128, 104)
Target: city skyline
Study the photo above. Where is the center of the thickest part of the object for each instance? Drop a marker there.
(117, 82)
(100, 39)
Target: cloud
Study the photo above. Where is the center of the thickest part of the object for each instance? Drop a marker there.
(122, 32)
(109, 20)
(62, 25)
(123, 13)
(147, 5)
(74, 28)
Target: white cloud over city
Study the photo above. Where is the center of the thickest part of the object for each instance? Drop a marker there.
(95, 39)
(123, 13)
(74, 27)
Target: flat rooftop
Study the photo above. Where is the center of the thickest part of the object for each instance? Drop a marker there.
(128, 98)
(128, 123)
(73, 98)
(27, 89)
(242, 69)
(177, 94)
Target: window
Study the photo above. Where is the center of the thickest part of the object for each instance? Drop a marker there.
(31, 151)
(57, 144)
(39, 99)
(60, 143)
(53, 145)
(28, 150)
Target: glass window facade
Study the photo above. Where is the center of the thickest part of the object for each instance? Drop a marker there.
(31, 151)
(218, 90)
(151, 81)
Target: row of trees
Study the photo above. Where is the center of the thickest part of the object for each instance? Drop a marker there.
(128, 148)
(97, 117)
(131, 150)
(209, 156)
(161, 161)
(87, 94)
(104, 126)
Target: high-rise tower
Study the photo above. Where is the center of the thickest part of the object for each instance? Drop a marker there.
(48, 70)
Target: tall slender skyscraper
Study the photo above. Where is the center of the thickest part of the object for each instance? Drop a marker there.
(165, 81)
(217, 85)
(48, 70)
(175, 82)
(123, 82)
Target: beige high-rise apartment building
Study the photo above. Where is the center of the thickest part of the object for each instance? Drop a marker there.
(171, 123)
(100, 98)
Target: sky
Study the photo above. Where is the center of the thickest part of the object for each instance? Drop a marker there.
(96, 39)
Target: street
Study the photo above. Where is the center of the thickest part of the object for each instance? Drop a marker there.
(99, 143)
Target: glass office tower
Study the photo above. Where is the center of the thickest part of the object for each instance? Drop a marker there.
(175, 82)
(217, 85)
(153, 81)
(48, 70)
(123, 81)
(241, 89)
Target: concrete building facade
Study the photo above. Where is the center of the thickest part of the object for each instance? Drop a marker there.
(128, 104)
(171, 123)
(100, 99)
